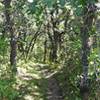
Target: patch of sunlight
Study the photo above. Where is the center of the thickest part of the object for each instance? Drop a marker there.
(98, 4)
(36, 93)
(32, 70)
(0, 32)
(25, 65)
(36, 76)
(91, 62)
(30, 1)
(33, 87)
(44, 71)
(40, 64)
(20, 62)
(28, 97)
(19, 83)
(31, 63)
(36, 87)
(40, 99)
(21, 71)
(50, 75)
(27, 78)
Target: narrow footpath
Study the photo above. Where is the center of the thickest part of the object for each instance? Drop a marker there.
(39, 86)
(53, 89)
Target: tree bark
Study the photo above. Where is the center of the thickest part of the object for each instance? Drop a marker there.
(9, 28)
(45, 50)
(89, 12)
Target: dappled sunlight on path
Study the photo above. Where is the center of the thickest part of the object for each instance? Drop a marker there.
(37, 83)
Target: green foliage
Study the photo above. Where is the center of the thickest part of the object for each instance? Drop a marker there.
(35, 22)
(62, 2)
(50, 3)
(7, 91)
(3, 46)
(32, 7)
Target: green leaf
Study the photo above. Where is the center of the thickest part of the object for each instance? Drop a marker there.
(62, 2)
(78, 11)
(50, 3)
(32, 8)
(3, 45)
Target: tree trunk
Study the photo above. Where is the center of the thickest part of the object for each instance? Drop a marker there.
(9, 28)
(89, 12)
(45, 51)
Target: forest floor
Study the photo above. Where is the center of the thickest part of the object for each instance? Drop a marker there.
(37, 82)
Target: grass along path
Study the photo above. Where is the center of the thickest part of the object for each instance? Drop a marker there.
(36, 82)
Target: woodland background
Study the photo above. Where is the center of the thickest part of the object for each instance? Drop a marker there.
(49, 50)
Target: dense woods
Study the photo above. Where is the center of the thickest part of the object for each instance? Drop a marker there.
(49, 50)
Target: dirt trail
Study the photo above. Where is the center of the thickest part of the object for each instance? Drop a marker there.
(53, 89)
(49, 86)
(53, 92)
